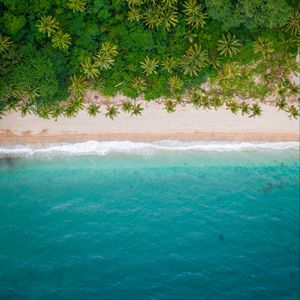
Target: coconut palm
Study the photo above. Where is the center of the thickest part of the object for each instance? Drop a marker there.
(233, 106)
(134, 14)
(190, 36)
(126, 106)
(169, 18)
(281, 103)
(175, 84)
(56, 111)
(263, 46)
(228, 45)
(78, 85)
(149, 65)
(194, 15)
(106, 55)
(61, 40)
(47, 24)
(77, 5)
(139, 84)
(152, 17)
(293, 24)
(255, 110)
(26, 108)
(109, 49)
(133, 3)
(170, 106)
(194, 59)
(93, 109)
(293, 112)
(169, 64)
(245, 108)
(5, 43)
(216, 102)
(169, 3)
(43, 111)
(136, 110)
(111, 112)
(89, 68)
(195, 99)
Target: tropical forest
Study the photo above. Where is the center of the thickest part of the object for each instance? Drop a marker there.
(237, 54)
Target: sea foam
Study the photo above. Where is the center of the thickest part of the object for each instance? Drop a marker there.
(141, 148)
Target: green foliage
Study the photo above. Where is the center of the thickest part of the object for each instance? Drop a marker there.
(52, 52)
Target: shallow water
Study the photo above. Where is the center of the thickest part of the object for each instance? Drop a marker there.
(163, 225)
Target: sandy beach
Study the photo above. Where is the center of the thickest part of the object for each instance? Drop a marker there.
(186, 123)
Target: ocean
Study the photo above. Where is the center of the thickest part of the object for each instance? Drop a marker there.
(164, 220)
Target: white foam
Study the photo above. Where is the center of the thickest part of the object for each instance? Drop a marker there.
(128, 147)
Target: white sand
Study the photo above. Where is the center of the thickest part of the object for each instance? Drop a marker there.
(186, 123)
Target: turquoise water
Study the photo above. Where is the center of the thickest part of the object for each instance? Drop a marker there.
(189, 225)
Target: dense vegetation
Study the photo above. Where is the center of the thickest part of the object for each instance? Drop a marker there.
(210, 53)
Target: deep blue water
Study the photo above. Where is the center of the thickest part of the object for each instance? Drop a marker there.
(173, 226)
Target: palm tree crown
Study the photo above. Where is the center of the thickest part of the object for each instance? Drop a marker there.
(78, 85)
(228, 45)
(263, 46)
(5, 43)
(194, 59)
(47, 24)
(77, 5)
(194, 15)
(61, 40)
(89, 68)
(149, 65)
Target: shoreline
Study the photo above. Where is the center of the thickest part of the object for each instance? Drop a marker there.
(186, 124)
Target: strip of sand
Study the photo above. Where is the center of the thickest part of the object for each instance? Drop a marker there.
(186, 123)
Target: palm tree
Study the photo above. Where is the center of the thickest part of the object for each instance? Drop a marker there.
(77, 5)
(106, 55)
(233, 106)
(78, 85)
(245, 108)
(47, 24)
(149, 65)
(293, 24)
(134, 14)
(194, 15)
(89, 68)
(136, 110)
(57, 111)
(61, 40)
(228, 45)
(127, 106)
(134, 3)
(281, 103)
(139, 84)
(43, 111)
(293, 112)
(169, 18)
(111, 112)
(263, 46)
(152, 17)
(216, 102)
(26, 108)
(109, 49)
(195, 99)
(194, 60)
(169, 64)
(175, 84)
(5, 43)
(93, 109)
(169, 3)
(170, 106)
(256, 110)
